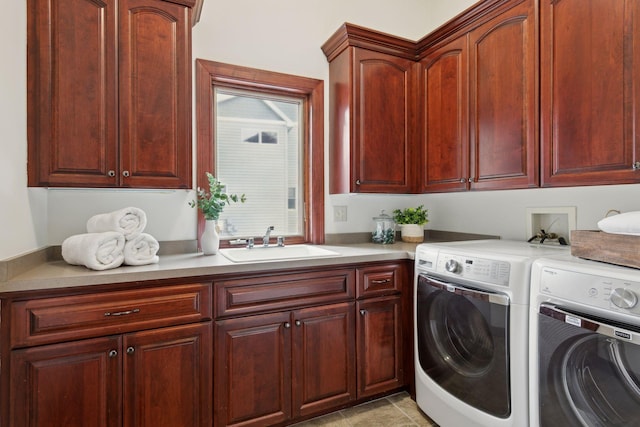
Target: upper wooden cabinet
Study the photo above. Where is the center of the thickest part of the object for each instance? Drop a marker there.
(590, 92)
(479, 106)
(445, 117)
(109, 93)
(372, 97)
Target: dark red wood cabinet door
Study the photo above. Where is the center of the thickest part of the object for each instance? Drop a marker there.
(379, 329)
(252, 371)
(323, 358)
(155, 94)
(75, 384)
(383, 145)
(590, 66)
(168, 377)
(444, 118)
(72, 99)
(503, 101)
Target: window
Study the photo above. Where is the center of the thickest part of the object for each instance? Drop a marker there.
(261, 133)
(256, 137)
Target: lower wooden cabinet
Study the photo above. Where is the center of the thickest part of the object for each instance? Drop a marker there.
(154, 378)
(283, 354)
(379, 332)
(271, 368)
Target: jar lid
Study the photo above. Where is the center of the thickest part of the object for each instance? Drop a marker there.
(382, 217)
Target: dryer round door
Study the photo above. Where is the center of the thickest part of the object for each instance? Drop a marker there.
(463, 343)
(589, 371)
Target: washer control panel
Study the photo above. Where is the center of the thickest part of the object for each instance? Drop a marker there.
(616, 294)
(466, 267)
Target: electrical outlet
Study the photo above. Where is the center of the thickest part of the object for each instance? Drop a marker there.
(339, 213)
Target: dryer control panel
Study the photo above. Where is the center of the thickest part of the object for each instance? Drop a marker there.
(609, 293)
(467, 267)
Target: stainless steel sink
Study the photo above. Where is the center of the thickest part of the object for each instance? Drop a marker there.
(273, 253)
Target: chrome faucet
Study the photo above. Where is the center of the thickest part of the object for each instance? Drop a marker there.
(265, 238)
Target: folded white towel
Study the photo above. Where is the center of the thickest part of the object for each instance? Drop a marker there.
(97, 251)
(625, 223)
(128, 221)
(141, 250)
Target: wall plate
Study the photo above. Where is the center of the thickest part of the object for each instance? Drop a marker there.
(558, 220)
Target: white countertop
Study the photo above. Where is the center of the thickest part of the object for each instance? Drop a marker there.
(59, 274)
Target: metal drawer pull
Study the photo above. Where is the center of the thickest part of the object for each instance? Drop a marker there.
(298, 323)
(122, 313)
(113, 353)
(381, 281)
(130, 350)
(363, 312)
(287, 325)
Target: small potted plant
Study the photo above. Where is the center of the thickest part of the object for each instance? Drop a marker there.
(211, 203)
(411, 221)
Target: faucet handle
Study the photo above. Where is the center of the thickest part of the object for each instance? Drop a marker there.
(280, 241)
(250, 243)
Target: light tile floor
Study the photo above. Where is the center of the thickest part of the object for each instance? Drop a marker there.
(397, 410)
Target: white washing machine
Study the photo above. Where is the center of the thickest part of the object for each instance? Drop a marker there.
(471, 331)
(585, 344)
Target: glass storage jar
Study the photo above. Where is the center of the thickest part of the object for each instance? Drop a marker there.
(385, 229)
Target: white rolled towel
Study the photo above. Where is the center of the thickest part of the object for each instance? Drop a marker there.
(624, 223)
(141, 250)
(128, 221)
(97, 251)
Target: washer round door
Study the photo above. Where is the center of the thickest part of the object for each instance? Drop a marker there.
(463, 343)
(589, 371)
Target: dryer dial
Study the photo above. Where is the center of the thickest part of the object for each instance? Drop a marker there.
(623, 298)
(452, 266)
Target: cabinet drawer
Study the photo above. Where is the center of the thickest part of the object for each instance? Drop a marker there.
(379, 280)
(253, 294)
(48, 320)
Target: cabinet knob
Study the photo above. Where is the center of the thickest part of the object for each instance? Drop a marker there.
(363, 312)
(357, 182)
(636, 166)
(111, 173)
(113, 353)
(298, 323)
(463, 180)
(470, 179)
(287, 324)
(125, 174)
(130, 350)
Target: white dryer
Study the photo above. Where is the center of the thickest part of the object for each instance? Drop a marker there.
(585, 344)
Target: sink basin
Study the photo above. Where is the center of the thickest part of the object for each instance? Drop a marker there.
(272, 253)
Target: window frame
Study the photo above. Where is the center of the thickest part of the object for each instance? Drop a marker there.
(210, 74)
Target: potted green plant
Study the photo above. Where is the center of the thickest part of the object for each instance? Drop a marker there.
(411, 221)
(211, 203)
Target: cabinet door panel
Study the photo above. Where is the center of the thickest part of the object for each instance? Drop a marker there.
(71, 384)
(323, 358)
(168, 376)
(252, 374)
(590, 61)
(383, 142)
(503, 108)
(72, 102)
(445, 118)
(379, 345)
(155, 94)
